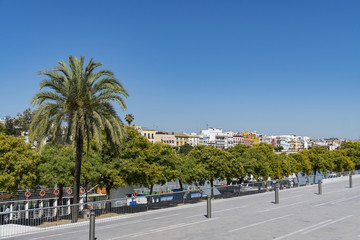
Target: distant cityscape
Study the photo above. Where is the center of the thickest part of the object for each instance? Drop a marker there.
(226, 139)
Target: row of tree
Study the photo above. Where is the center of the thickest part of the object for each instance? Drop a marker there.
(139, 161)
(74, 106)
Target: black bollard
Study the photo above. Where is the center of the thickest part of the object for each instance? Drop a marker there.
(320, 187)
(92, 225)
(350, 180)
(276, 194)
(209, 207)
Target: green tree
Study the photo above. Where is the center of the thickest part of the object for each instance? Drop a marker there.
(238, 150)
(279, 148)
(352, 150)
(341, 161)
(11, 128)
(101, 166)
(188, 170)
(144, 163)
(257, 160)
(155, 165)
(162, 156)
(278, 166)
(78, 98)
(300, 163)
(185, 149)
(56, 168)
(238, 168)
(321, 160)
(23, 120)
(129, 118)
(305, 161)
(185, 166)
(236, 172)
(132, 165)
(215, 161)
(18, 164)
(2, 128)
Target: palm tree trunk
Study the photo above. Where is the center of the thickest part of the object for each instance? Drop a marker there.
(79, 145)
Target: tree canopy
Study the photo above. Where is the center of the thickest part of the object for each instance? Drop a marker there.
(18, 164)
(352, 150)
(2, 128)
(76, 100)
(129, 118)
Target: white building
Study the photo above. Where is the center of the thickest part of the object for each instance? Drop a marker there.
(216, 137)
(194, 139)
(209, 135)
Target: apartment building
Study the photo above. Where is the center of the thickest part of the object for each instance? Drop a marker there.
(195, 140)
(150, 134)
(220, 141)
(181, 139)
(216, 137)
(239, 138)
(209, 135)
(165, 137)
(290, 143)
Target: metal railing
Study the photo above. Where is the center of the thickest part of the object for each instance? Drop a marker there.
(15, 223)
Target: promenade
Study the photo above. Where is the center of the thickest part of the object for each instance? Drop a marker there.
(301, 214)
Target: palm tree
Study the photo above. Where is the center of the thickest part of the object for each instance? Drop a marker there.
(129, 118)
(78, 100)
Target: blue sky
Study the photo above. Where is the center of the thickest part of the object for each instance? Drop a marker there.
(277, 67)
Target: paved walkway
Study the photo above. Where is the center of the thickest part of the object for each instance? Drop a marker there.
(301, 214)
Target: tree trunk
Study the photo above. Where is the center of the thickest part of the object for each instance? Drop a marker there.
(149, 200)
(212, 188)
(108, 203)
(59, 201)
(228, 181)
(181, 189)
(61, 191)
(79, 145)
(297, 178)
(315, 170)
(181, 185)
